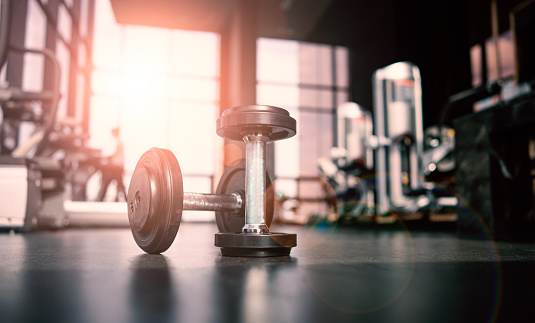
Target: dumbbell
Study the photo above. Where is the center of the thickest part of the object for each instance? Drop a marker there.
(156, 200)
(256, 125)
(244, 210)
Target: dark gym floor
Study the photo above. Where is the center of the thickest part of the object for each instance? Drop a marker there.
(334, 275)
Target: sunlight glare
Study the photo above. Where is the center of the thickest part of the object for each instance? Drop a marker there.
(143, 86)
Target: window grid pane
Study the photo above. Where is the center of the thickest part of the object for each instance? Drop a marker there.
(64, 23)
(161, 93)
(342, 67)
(310, 98)
(277, 61)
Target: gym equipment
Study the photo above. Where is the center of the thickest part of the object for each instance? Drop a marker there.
(400, 160)
(399, 138)
(35, 170)
(156, 198)
(350, 161)
(495, 157)
(354, 126)
(20, 184)
(394, 152)
(32, 181)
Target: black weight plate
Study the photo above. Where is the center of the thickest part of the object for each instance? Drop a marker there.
(233, 181)
(155, 200)
(273, 122)
(255, 244)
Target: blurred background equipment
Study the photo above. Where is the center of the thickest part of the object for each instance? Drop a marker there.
(399, 133)
(74, 70)
(382, 169)
(351, 163)
(45, 158)
(39, 181)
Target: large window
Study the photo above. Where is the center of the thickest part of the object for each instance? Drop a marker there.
(309, 80)
(160, 86)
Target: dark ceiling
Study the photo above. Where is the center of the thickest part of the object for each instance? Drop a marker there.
(274, 18)
(434, 34)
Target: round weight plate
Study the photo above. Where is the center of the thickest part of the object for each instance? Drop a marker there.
(255, 245)
(155, 200)
(273, 122)
(233, 181)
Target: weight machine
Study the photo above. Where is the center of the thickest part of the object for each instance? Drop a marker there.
(34, 174)
(398, 140)
(382, 163)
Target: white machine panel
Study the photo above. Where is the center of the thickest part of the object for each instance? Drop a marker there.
(13, 195)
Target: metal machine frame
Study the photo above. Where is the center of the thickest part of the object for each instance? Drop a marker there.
(398, 96)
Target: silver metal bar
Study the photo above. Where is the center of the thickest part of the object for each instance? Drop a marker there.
(212, 202)
(380, 132)
(417, 179)
(255, 183)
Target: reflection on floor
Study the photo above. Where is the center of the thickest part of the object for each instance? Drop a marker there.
(334, 275)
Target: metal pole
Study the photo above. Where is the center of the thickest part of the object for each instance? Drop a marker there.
(255, 183)
(212, 202)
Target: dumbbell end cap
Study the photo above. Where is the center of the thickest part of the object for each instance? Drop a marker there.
(271, 121)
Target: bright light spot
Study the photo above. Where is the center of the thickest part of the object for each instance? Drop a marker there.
(143, 86)
(404, 178)
(349, 110)
(256, 302)
(432, 167)
(277, 57)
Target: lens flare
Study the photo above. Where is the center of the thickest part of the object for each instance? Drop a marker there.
(233, 154)
(314, 207)
(390, 253)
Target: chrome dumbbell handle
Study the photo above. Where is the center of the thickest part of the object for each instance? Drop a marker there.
(212, 202)
(255, 182)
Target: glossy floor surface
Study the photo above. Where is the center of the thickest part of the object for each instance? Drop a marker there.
(334, 275)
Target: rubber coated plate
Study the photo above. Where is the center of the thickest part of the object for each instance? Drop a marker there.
(155, 200)
(272, 122)
(255, 244)
(233, 181)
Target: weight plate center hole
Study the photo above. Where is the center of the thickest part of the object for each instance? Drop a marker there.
(137, 200)
(139, 215)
